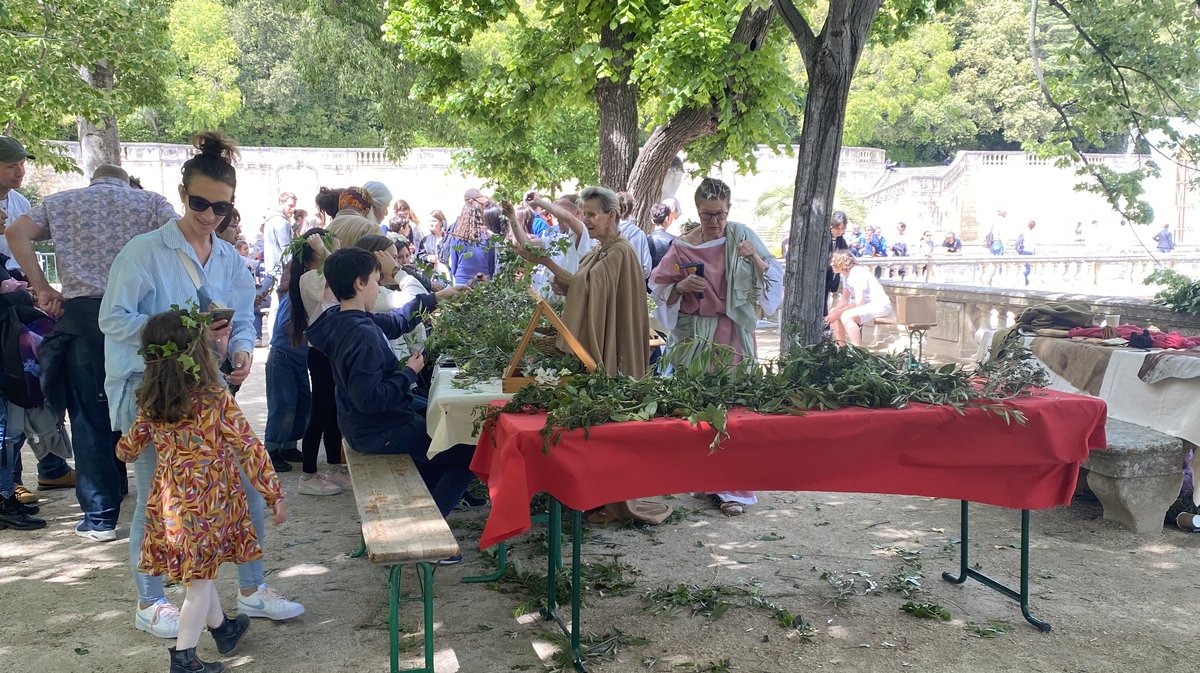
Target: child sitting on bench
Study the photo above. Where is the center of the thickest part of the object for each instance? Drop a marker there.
(373, 392)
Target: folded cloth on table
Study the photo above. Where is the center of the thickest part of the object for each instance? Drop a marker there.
(1055, 333)
(1057, 315)
(1157, 339)
(1082, 365)
(1159, 366)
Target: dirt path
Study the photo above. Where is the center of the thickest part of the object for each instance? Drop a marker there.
(1118, 602)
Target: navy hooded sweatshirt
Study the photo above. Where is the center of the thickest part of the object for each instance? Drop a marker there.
(372, 389)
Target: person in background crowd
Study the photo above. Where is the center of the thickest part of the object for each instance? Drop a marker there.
(1027, 245)
(401, 207)
(277, 233)
(306, 287)
(434, 248)
(927, 244)
(863, 300)
(327, 204)
(837, 241)
(401, 228)
(634, 234)
(299, 220)
(660, 240)
(952, 243)
(53, 471)
(88, 226)
(994, 240)
(900, 243)
(857, 241)
(183, 261)
(381, 198)
(1165, 240)
(673, 225)
(471, 251)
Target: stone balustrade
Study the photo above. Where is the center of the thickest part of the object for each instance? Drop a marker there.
(965, 314)
(1113, 273)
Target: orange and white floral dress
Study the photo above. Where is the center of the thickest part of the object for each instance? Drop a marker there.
(196, 514)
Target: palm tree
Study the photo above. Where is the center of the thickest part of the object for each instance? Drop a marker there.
(774, 208)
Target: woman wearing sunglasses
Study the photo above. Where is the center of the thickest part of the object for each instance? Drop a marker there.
(183, 262)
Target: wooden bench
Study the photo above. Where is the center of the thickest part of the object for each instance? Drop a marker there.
(400, 525)
(1138, 475)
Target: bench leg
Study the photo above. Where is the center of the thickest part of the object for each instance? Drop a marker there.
(394, 615)
(362, 547)
(1139, 503)
(501, 566)
(965, 571)
(425, 571)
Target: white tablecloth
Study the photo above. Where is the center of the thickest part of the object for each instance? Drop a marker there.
(450, 418)
(1171, 406)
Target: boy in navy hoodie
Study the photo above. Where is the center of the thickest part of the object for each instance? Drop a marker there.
(373, 392)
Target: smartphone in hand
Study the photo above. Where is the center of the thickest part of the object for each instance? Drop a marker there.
(222, 314)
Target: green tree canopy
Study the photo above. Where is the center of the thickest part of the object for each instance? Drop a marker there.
(44, 45)
(529, 74)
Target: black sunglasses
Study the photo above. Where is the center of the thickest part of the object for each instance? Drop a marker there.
(220, 208)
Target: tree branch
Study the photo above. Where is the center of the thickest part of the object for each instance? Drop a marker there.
(1111, 192)
(799, 27)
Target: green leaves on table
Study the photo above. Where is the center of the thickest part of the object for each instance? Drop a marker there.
(820, 376)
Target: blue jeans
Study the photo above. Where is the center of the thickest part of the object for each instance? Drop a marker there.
(447, 475)
(10, 451)
(100, 479)
(288, 400)
(150, 587)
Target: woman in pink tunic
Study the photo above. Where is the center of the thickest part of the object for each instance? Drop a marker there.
(718, 302)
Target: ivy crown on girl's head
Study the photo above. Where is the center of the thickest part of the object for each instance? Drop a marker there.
(194, 321)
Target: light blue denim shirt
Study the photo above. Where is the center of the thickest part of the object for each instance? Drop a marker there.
(146, 278)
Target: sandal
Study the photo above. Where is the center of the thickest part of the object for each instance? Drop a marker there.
(731, 508)
(601, 517)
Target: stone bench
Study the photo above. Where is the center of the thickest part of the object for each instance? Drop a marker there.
(1138, 475)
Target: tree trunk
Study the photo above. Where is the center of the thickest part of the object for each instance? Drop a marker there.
(829, 59)
(687, 126)
(617, 101)
(654, 161)
(98, 140)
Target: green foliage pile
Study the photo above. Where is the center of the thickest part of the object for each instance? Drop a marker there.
(1181, 294)
(820, 376)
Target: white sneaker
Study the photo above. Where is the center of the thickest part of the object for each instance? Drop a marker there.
(85, 531)
(317, 484)
(160, 619)
(266, 602)
(340, 475)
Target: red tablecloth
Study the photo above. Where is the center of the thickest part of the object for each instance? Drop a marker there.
(921, 450)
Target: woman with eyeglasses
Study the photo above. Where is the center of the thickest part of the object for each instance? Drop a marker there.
(184, 262)
(710, 288)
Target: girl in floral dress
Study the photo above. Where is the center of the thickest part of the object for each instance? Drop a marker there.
(196, 516)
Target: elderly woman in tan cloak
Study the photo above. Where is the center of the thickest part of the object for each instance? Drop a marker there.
(606, 311)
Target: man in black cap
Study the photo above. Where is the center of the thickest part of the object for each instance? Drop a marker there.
(12, 174)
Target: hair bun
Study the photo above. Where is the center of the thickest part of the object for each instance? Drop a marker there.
(215, 144)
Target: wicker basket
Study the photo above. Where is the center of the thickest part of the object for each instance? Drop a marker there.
(546, 344)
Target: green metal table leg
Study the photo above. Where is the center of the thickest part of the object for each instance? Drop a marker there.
(501, 566)
(554, 561)
(362, 547)
(394, 615)
(965, 570)
(576, 582)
